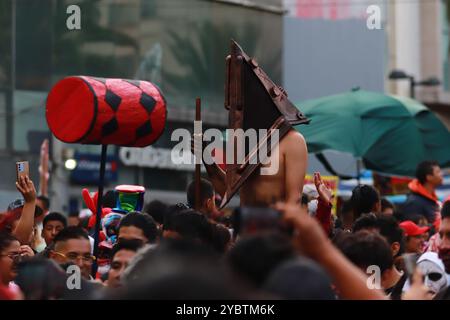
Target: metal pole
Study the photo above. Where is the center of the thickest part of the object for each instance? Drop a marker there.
(412, 85)
(99, 207)
(358, 170)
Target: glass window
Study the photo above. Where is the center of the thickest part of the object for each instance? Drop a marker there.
(180, 45)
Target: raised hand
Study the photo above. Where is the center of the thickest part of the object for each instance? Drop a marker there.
(26, 251)
(325, 193)
(26, 187)
(418, 290)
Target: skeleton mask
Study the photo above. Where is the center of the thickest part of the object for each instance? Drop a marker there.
(433, 270)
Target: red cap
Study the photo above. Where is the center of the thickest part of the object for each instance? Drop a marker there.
(411, 229)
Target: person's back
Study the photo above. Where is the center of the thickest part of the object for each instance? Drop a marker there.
(283, 176)
(286, 183)
(417, 204)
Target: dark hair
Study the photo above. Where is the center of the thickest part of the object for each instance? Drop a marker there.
(54, 216)
(130, 245)
(6, 239)
(255, 257)
(192, 225)
(206, 192)
(416, 218)
(425, 168)
(385, 204)
(346, 207)
(363, 199)
(172, 211)
(195, 273)
(300, 279)
(388, 227)
(365, 249)
(399, 215)
(366, 221)
(142, 221)
(445, 212)
(45, 201)
(157, 209)
(72, 232)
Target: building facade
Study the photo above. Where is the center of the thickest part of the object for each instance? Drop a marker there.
(180, 45)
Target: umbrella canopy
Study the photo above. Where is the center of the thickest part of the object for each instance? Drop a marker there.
(390, 134)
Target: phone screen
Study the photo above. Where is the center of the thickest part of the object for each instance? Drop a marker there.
(249, 220)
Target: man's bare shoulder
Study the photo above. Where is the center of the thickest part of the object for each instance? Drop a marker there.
(293, 138)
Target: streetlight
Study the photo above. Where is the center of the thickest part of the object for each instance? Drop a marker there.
(400, 74)
(70, 164)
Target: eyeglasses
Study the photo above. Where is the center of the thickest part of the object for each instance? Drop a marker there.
(16, 257)
(11, 255)
(72, 256)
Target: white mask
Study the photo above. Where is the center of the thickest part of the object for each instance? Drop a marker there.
(433, 270)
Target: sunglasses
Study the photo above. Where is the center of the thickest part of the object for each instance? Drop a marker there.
(72, 256)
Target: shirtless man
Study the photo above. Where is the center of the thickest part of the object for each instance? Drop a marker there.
(285, 185)
(255, 102)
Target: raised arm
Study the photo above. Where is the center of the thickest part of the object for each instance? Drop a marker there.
(324, 205)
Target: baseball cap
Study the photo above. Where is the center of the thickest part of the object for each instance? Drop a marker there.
(411, 229)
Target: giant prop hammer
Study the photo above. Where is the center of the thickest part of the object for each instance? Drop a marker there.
(99, 111)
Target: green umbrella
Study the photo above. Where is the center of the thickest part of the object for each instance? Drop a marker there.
(390, 134)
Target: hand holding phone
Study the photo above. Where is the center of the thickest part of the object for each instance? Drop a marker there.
(26, 187)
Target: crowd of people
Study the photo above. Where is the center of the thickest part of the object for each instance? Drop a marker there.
(371, 249)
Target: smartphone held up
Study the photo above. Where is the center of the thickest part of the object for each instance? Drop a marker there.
(22, 169)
